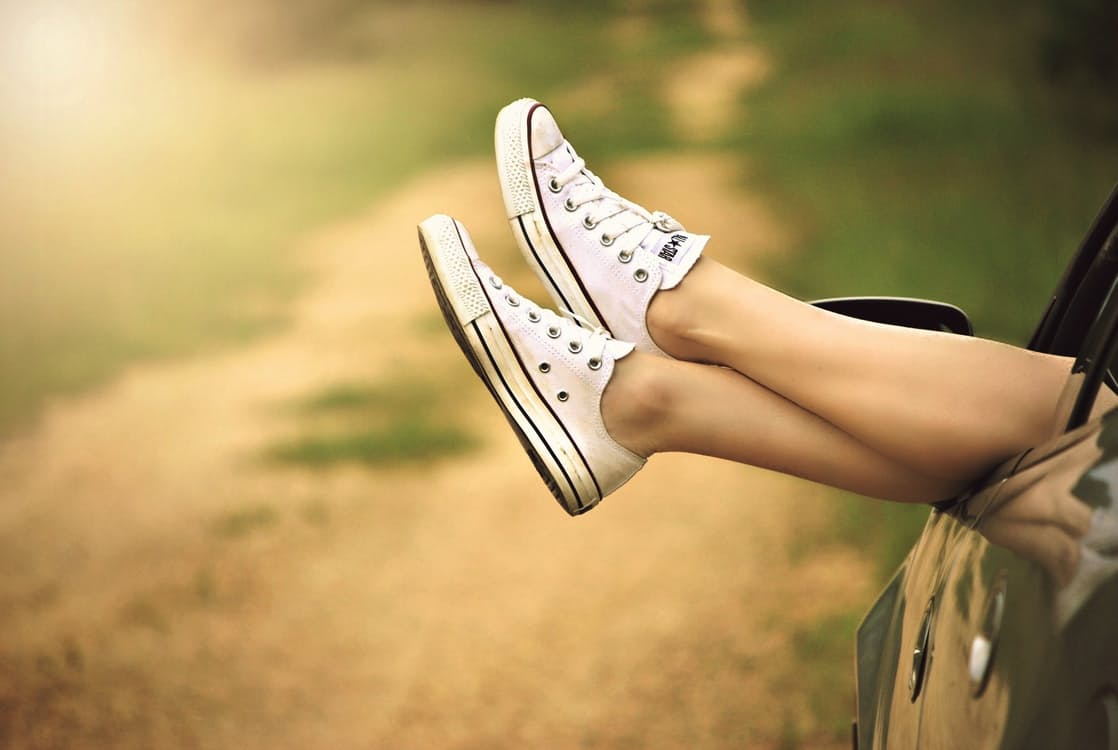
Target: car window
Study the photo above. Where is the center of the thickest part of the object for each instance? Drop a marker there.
(1093, 386)
(1086, 282)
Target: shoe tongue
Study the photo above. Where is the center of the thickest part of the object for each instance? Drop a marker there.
(677, 252)
(617, 349)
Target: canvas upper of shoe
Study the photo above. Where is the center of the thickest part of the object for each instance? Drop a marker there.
(599, 254)
(547, 372)
(569, 366)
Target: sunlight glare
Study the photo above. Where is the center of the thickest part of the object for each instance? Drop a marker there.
(55, 56)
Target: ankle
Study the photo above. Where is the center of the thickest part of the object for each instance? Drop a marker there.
(677, 327)
(637, 402)
(681, 321)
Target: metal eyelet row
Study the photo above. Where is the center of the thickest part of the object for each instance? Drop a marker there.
(594, 363)
(626, 256)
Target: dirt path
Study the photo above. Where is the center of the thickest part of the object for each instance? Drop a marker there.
(448, 606)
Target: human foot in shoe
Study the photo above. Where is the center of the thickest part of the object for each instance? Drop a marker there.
(546, 373)
(599, 255)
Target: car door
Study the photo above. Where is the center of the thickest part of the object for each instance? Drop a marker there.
(961, 649)
(1014, 662)
(897, 639)
(1019, 658)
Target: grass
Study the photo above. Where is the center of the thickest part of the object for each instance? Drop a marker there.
(398, 396)
(915, 150)
(917, 154)
(158, 216)
(825, 645)
(408, 440)
(381, 424)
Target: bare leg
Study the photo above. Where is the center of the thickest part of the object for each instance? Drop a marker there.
(653, 404)
(946, 405)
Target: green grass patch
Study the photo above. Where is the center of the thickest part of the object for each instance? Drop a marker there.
(375, 424)
(917, 150)
(397, 397)
(827, 645)
(914, 149)
(401, 441)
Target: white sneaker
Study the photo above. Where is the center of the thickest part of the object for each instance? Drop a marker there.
(599, 255)
(545, 372)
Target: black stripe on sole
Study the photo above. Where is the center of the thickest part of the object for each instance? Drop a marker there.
(586, 298)
(563, 487)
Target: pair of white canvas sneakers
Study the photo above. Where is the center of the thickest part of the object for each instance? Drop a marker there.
(602, 258)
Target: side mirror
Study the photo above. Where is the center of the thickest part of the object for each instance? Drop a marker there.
(902, 311)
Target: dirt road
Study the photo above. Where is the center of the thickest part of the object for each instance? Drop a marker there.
(164, 587)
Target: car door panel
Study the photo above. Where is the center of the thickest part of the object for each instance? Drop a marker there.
(983, 708)
(1046, 658)
(889, 712)
(1014, 657)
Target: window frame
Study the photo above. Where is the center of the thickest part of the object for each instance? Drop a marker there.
(1082, 317)
(1063, 327)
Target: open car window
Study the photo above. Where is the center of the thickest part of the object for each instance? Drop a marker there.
(1086, 282)
(1092, 388)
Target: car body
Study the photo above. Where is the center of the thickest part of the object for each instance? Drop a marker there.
(973, 644)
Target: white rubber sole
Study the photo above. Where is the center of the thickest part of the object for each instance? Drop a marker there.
(447, 252)
(527, 219)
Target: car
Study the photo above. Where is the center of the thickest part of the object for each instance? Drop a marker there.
(974, 642)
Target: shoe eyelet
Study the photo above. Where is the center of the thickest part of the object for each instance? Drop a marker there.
(513, 301)
(562, 395)
(545, 367)
(553, 332)
(595, 363)
(553, 185)
(575, 347)
(606, 239)
(625, 256)
(640, 275)
(534, 316)
(570, 205)
(495, 282)
(587, 223)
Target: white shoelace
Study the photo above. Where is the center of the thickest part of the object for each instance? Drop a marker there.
(616, 216)
(581, 335)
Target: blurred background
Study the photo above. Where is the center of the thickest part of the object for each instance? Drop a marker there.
(251, 497)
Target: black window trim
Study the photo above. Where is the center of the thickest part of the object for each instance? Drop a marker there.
(1093, 362)
(1061, 330)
